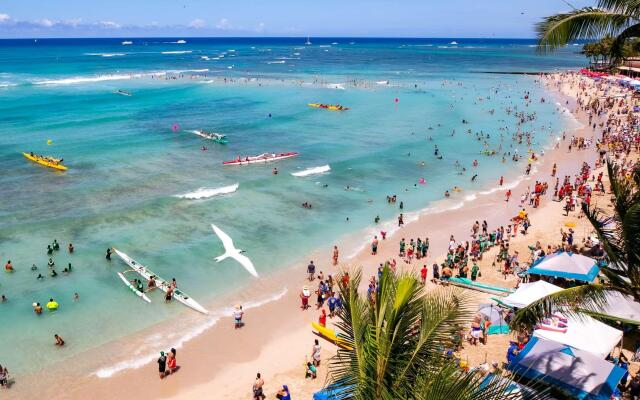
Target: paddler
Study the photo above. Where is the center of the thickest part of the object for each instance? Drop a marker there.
(52, 305)
(169, 295)
(9, 267)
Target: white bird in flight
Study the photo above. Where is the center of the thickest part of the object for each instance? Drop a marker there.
(231, 251)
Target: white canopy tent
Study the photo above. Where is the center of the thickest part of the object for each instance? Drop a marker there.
(527, 293)
(583, 332)
(621, 307)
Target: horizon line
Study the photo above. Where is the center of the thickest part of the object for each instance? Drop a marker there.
(272, 37)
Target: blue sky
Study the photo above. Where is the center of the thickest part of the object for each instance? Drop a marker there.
(381, 18)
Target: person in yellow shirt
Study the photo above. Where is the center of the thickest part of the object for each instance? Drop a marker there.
(52, 305)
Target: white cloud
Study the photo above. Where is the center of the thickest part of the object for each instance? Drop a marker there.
(47, 23)
(4, 18)
(224, 24)
(72, 22)
(197, 23)
(109, 24)
(260, 27)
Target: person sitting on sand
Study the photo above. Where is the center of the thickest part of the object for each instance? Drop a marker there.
(311, 371)
(283, 394)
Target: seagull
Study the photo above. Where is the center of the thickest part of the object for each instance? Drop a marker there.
(231, 251)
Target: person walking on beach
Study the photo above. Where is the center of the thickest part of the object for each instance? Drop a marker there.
(374, 246)
(237, 316)
(162, 365)
(335, 255)
(304, 297)
(258, 392)
(316, 351)
(4, 377)
(311, 270)
(508, 195)
(423, 274)
(172, 363)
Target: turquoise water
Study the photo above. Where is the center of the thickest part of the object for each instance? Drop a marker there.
(128, 165)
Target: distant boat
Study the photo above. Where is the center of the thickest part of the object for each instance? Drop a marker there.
(454, 43)
(126, 42)
(181, 41)
(308, 42)
(122, 92)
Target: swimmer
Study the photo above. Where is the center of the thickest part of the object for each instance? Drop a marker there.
(34, 268)
(446, 193)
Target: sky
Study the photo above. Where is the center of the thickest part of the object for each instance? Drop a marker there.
(342, 18)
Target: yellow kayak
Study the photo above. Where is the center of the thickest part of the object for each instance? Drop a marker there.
(330, 107)
(331, 336)
(47, 162)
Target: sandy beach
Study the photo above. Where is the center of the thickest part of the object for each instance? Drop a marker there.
(277, 338)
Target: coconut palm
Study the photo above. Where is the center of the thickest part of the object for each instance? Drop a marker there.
(619, 235)
(617, 18)
(396, 345)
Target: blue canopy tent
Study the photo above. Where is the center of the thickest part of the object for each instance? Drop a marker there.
(566, 265)
(580, 373)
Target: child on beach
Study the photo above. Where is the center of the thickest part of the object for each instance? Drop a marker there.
(237, 316)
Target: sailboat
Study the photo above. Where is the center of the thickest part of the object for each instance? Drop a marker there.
(308, 42)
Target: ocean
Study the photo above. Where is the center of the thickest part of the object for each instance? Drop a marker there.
(138, 179)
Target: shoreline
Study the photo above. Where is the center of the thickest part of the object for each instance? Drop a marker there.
(242, 354)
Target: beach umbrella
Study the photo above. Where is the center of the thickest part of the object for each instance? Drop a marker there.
(494, 315)
(566, 265)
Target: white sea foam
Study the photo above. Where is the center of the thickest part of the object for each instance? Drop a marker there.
(382, 82)
(339, 86)
(276, 62)
(86, 79)
(312, 171)
(106, 54)
(205, 193)
(177, 52)
(176, 338)
(112, 77)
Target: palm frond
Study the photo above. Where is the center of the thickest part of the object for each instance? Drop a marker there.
(585, 23)
(568, 301)
(627, 7)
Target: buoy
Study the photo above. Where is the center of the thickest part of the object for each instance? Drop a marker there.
(422, 181)
(49, 141)
(269, 115)
(175, 127)
(397, 99)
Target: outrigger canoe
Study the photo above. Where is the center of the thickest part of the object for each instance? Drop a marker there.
(330, 107)
(262, 158)
(163, 285)
(216, 137)
(133, 288)
(45, 161)
(331, 336)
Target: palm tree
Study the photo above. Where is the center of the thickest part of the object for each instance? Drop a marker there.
(619, 235)
(396, 344)
(617, 18)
